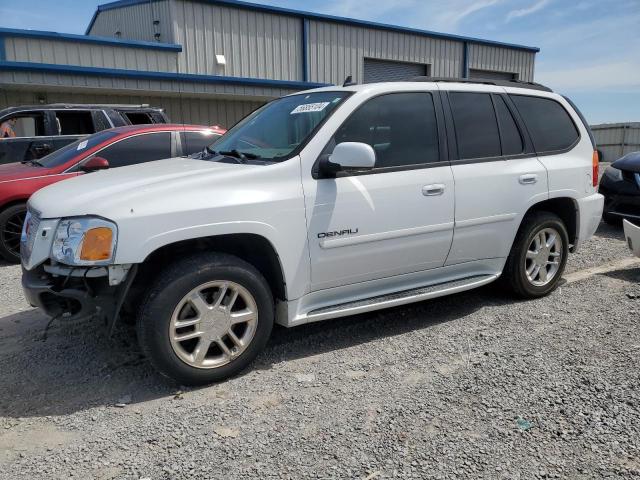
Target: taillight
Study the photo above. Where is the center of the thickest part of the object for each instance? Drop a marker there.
(596, 168)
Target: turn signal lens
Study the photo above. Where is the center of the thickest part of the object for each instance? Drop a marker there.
(96, 245)
(596, 168)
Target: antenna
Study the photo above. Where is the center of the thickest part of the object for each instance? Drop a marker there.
(349, 81)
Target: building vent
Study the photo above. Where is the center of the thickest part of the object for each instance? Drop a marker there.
(491, 75)
(388, 71)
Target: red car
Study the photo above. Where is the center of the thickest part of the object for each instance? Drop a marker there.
(117, 147)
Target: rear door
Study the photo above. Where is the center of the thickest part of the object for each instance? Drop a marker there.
(497, 174)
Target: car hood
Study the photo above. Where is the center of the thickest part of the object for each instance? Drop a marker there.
(630, 162)
(19, 171)
(144, 188)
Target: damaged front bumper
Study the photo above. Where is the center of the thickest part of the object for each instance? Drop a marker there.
(78, 293)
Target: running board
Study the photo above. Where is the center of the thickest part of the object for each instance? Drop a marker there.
(399, 298)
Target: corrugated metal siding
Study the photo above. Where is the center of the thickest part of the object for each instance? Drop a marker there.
(501, 59)
(615, 140)
(186, 110)
(337, 51)
(44, 80)
(59, 52)
(135, 22)
(490, 75)
(385, 71)
(255, 44)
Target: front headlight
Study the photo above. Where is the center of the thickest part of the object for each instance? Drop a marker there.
(613, 173)
(85, 241)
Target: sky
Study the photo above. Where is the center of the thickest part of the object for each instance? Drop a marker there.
(590, 49)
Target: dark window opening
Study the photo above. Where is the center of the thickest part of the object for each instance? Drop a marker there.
(71, 122)
(475, 124)
(138, 118)
(401, 128)
(550, 126)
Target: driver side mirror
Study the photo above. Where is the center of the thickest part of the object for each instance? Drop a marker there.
(349, 157)
(94, 164)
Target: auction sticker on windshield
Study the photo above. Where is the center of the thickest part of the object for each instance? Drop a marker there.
(82, 145)
(310, 107)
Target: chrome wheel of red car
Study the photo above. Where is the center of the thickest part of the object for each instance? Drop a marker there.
(11, 221)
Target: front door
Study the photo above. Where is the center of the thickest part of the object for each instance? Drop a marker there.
(394, 219)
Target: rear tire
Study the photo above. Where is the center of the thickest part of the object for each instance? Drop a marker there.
(205, 318)
(538, 256)
(11, 220)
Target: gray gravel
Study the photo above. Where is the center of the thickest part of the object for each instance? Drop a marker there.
(476, 385)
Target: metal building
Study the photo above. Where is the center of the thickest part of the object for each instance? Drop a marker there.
(213, 61)
(615, 140)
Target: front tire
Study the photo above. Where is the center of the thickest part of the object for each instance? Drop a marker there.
(11, 221)
(538, 256)
(206, 318)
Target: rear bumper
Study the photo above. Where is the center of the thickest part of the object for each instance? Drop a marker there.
(590, 213)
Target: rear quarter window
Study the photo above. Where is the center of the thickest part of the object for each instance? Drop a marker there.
(549, 124)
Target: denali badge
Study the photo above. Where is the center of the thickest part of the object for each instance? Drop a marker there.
(341, 233)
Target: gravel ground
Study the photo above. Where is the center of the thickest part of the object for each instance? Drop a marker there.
(471, 386)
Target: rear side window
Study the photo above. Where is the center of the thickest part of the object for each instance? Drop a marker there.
(511, 137)
(75, 122)
(194, 142)
(138, 149)
(401, 128)
(476, 125)
(549, 124)
(138, 118)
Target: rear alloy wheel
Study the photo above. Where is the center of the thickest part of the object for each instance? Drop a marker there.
(205, 318)
(538, 256)
(11, 221)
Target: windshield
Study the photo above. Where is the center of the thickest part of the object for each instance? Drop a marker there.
(68, 152)
(276, 130)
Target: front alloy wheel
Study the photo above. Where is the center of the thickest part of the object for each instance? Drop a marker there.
(205, 318)
(213, 324)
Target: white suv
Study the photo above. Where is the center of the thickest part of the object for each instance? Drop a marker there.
(319, 205)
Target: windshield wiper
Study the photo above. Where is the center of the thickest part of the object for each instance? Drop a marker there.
(241, 155)
(235, 153)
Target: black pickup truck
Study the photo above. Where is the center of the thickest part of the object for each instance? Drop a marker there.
(33, 131)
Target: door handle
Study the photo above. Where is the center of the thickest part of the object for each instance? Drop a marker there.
(528, 179)
(433, 190)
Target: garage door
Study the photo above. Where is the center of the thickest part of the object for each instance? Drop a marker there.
(386, 71)
(491, 75)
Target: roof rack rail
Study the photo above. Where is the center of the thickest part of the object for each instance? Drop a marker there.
(485, 81)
